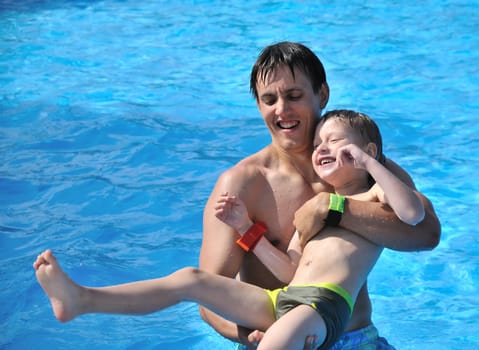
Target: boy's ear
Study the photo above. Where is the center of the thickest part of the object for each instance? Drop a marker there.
(372, 149)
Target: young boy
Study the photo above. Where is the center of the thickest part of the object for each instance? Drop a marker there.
(321, 291)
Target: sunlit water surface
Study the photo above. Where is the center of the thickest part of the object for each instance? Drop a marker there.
(118, 116)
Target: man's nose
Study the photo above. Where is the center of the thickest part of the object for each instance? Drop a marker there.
(281, 106)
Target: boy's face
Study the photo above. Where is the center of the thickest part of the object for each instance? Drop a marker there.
(329, 137)
(290, 108)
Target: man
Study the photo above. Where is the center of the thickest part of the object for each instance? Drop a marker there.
(289, 84)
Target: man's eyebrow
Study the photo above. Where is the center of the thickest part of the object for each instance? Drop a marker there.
(267, 95)
(285, 92)
(293, 89)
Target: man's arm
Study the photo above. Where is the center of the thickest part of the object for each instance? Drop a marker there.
(378, 223)
(373, 220)
(221, 255)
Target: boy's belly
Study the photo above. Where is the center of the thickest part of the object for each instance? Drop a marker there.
(337, 256)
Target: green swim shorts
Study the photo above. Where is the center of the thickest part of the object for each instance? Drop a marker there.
(332, 302)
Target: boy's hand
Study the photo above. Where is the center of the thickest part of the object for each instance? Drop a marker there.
(352, 155)
(232, 211)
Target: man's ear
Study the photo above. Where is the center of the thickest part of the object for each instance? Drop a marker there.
(372, 149)
(324, 95)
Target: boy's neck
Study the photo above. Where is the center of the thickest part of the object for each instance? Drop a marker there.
(352, 188)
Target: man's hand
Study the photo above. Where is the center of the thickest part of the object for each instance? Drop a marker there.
(309, 219)
(255, 337)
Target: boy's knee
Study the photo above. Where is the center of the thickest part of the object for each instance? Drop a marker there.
(189, 273)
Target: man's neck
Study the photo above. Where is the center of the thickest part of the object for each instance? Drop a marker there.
(300, 162)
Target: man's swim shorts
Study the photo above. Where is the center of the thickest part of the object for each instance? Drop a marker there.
(366, 338)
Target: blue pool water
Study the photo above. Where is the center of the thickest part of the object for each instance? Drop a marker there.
(116, 117)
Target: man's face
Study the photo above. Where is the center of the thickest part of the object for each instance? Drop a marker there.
(290, 108)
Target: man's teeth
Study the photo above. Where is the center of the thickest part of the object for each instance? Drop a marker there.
(288, 124)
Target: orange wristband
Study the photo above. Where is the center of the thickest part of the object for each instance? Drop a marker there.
(249, 240)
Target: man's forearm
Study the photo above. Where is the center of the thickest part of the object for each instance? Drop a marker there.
(224, 327)
(378, 223)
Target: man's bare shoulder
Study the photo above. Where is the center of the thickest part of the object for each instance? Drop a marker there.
(249, 170)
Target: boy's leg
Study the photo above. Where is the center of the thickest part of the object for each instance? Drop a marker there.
(291, 330)
(244, 304)
(240, 302)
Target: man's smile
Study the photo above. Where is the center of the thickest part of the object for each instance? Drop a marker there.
(287, 124)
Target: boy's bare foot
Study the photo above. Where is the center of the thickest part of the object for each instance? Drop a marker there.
(64, 294)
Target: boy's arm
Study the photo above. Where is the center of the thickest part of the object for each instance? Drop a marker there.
(232, 211)
(282, 265)
(373, 220)
(401, 198)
